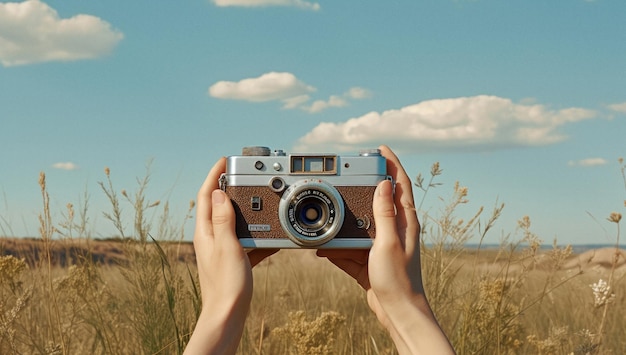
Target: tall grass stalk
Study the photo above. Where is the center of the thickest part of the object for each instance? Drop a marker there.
(263, 311)
(46, 231)
(151, 278)
(615, 217)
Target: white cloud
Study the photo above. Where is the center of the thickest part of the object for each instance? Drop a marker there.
(32, 32)
(295, 102)
(588, 162)
(479, 122)
(65, 166)
(284, 87)
(621, 107)
(355, 93)
(267, 87)
(358, 93)
(321, 105)
(262, 3)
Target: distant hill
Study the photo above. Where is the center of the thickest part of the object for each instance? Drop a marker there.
(69, 251)
(112, 252)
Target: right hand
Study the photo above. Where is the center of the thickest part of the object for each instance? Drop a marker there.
(391, 271)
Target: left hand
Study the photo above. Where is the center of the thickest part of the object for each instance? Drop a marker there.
(224, 270)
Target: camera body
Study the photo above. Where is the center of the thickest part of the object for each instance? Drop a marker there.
(307, 200)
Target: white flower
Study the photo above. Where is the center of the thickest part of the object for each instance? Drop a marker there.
(602, 293)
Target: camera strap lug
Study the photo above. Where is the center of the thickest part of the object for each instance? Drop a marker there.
(393, 184)
(222, 182)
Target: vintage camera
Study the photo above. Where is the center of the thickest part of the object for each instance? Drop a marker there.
(303, 200)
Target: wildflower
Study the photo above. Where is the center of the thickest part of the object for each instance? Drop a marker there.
(492, 290)
(524, 223)
(602, 293)
(315, 337)
(8, 317)
(615, 217)
(557, 338)
(107, 171)
(11, 268)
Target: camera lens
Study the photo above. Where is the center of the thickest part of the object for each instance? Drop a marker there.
(311, 212)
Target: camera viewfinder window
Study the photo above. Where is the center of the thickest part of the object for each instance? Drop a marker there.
(296, 165)
(329, 163)
(313, 165)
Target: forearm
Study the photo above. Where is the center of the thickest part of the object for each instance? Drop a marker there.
(216, 332)
(415, 330)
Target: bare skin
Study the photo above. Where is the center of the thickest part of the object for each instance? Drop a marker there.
(225, 271)
(390, 272)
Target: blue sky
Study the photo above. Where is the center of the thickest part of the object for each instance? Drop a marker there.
(522, 102)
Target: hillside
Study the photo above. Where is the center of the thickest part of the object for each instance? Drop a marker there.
(66, 252)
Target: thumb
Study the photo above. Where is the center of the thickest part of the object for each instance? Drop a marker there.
(385, 214)
(222, 215)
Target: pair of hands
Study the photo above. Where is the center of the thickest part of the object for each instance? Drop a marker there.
(390, 271)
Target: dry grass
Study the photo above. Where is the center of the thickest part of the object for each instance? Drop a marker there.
(66, 293)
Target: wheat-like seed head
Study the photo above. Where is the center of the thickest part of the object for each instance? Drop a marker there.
(615, 217)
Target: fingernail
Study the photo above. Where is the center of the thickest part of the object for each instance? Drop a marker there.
(217, 197)
(384, 188)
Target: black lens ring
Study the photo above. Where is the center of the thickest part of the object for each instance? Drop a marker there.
(305, 190)
(323, 206)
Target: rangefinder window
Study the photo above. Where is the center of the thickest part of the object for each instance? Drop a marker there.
(313, 165)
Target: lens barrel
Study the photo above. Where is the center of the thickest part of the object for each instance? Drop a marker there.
(311, 212)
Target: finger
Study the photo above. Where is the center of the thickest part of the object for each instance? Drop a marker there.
(257, 255)
(385, 217)
(404, 201)
(223, 221)
(203, 202)
(396, 170)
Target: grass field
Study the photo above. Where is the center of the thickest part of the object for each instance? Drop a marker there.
(66, 293)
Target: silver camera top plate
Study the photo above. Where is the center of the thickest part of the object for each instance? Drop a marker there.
(365, 169)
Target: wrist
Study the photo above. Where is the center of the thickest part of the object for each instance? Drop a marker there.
(217, 331)
(413, 325)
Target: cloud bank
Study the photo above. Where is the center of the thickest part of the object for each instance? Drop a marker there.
(283, 87)
(478, 122)
(306, 5)
(33, 32)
